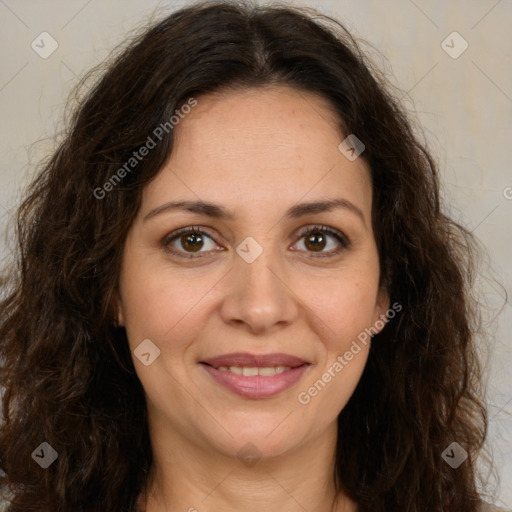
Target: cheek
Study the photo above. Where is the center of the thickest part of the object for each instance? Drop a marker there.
(165, 306)
(343, 307)
(341, 313)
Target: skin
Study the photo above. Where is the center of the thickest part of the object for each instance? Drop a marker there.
(256, 153)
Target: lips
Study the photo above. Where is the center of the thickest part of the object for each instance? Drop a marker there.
(256, 376)
(244, 359)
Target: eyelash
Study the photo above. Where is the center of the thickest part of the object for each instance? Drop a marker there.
(343, 241)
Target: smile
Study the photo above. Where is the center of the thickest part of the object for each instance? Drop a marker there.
(256, 382)
(246, 371)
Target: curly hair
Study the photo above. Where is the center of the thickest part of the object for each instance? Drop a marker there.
(66, 371)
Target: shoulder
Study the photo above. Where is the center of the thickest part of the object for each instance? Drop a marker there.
(486, 507)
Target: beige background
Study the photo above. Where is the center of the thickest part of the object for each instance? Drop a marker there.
(464, 104)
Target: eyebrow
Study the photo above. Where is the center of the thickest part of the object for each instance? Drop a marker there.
(218, 212)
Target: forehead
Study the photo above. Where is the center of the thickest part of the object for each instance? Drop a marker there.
(273, 145)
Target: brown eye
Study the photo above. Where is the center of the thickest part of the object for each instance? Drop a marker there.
(315, 241)
(185, 242)
(324, 241)
(192, 242)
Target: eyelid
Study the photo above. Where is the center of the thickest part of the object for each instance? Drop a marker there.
(324, 229)
(166, 241)
(342, 239)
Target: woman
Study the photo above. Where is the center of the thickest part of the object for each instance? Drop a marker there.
(237, 289)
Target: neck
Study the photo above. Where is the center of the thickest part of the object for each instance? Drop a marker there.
(187, 477)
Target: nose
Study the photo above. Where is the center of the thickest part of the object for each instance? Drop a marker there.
(258, 296)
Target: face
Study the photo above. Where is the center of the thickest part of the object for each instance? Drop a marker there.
(249, 300)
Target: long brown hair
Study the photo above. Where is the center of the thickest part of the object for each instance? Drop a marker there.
(67, 372)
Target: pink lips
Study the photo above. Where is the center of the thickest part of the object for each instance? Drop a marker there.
(255, 360)
(257, 386)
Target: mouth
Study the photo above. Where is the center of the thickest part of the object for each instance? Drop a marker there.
(256, 376)
(247, 360)
(251, 371)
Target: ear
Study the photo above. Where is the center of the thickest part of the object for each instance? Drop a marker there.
(381, 310)
(118, 309)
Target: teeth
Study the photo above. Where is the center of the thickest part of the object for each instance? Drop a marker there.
(252, 371)
(269, 371)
